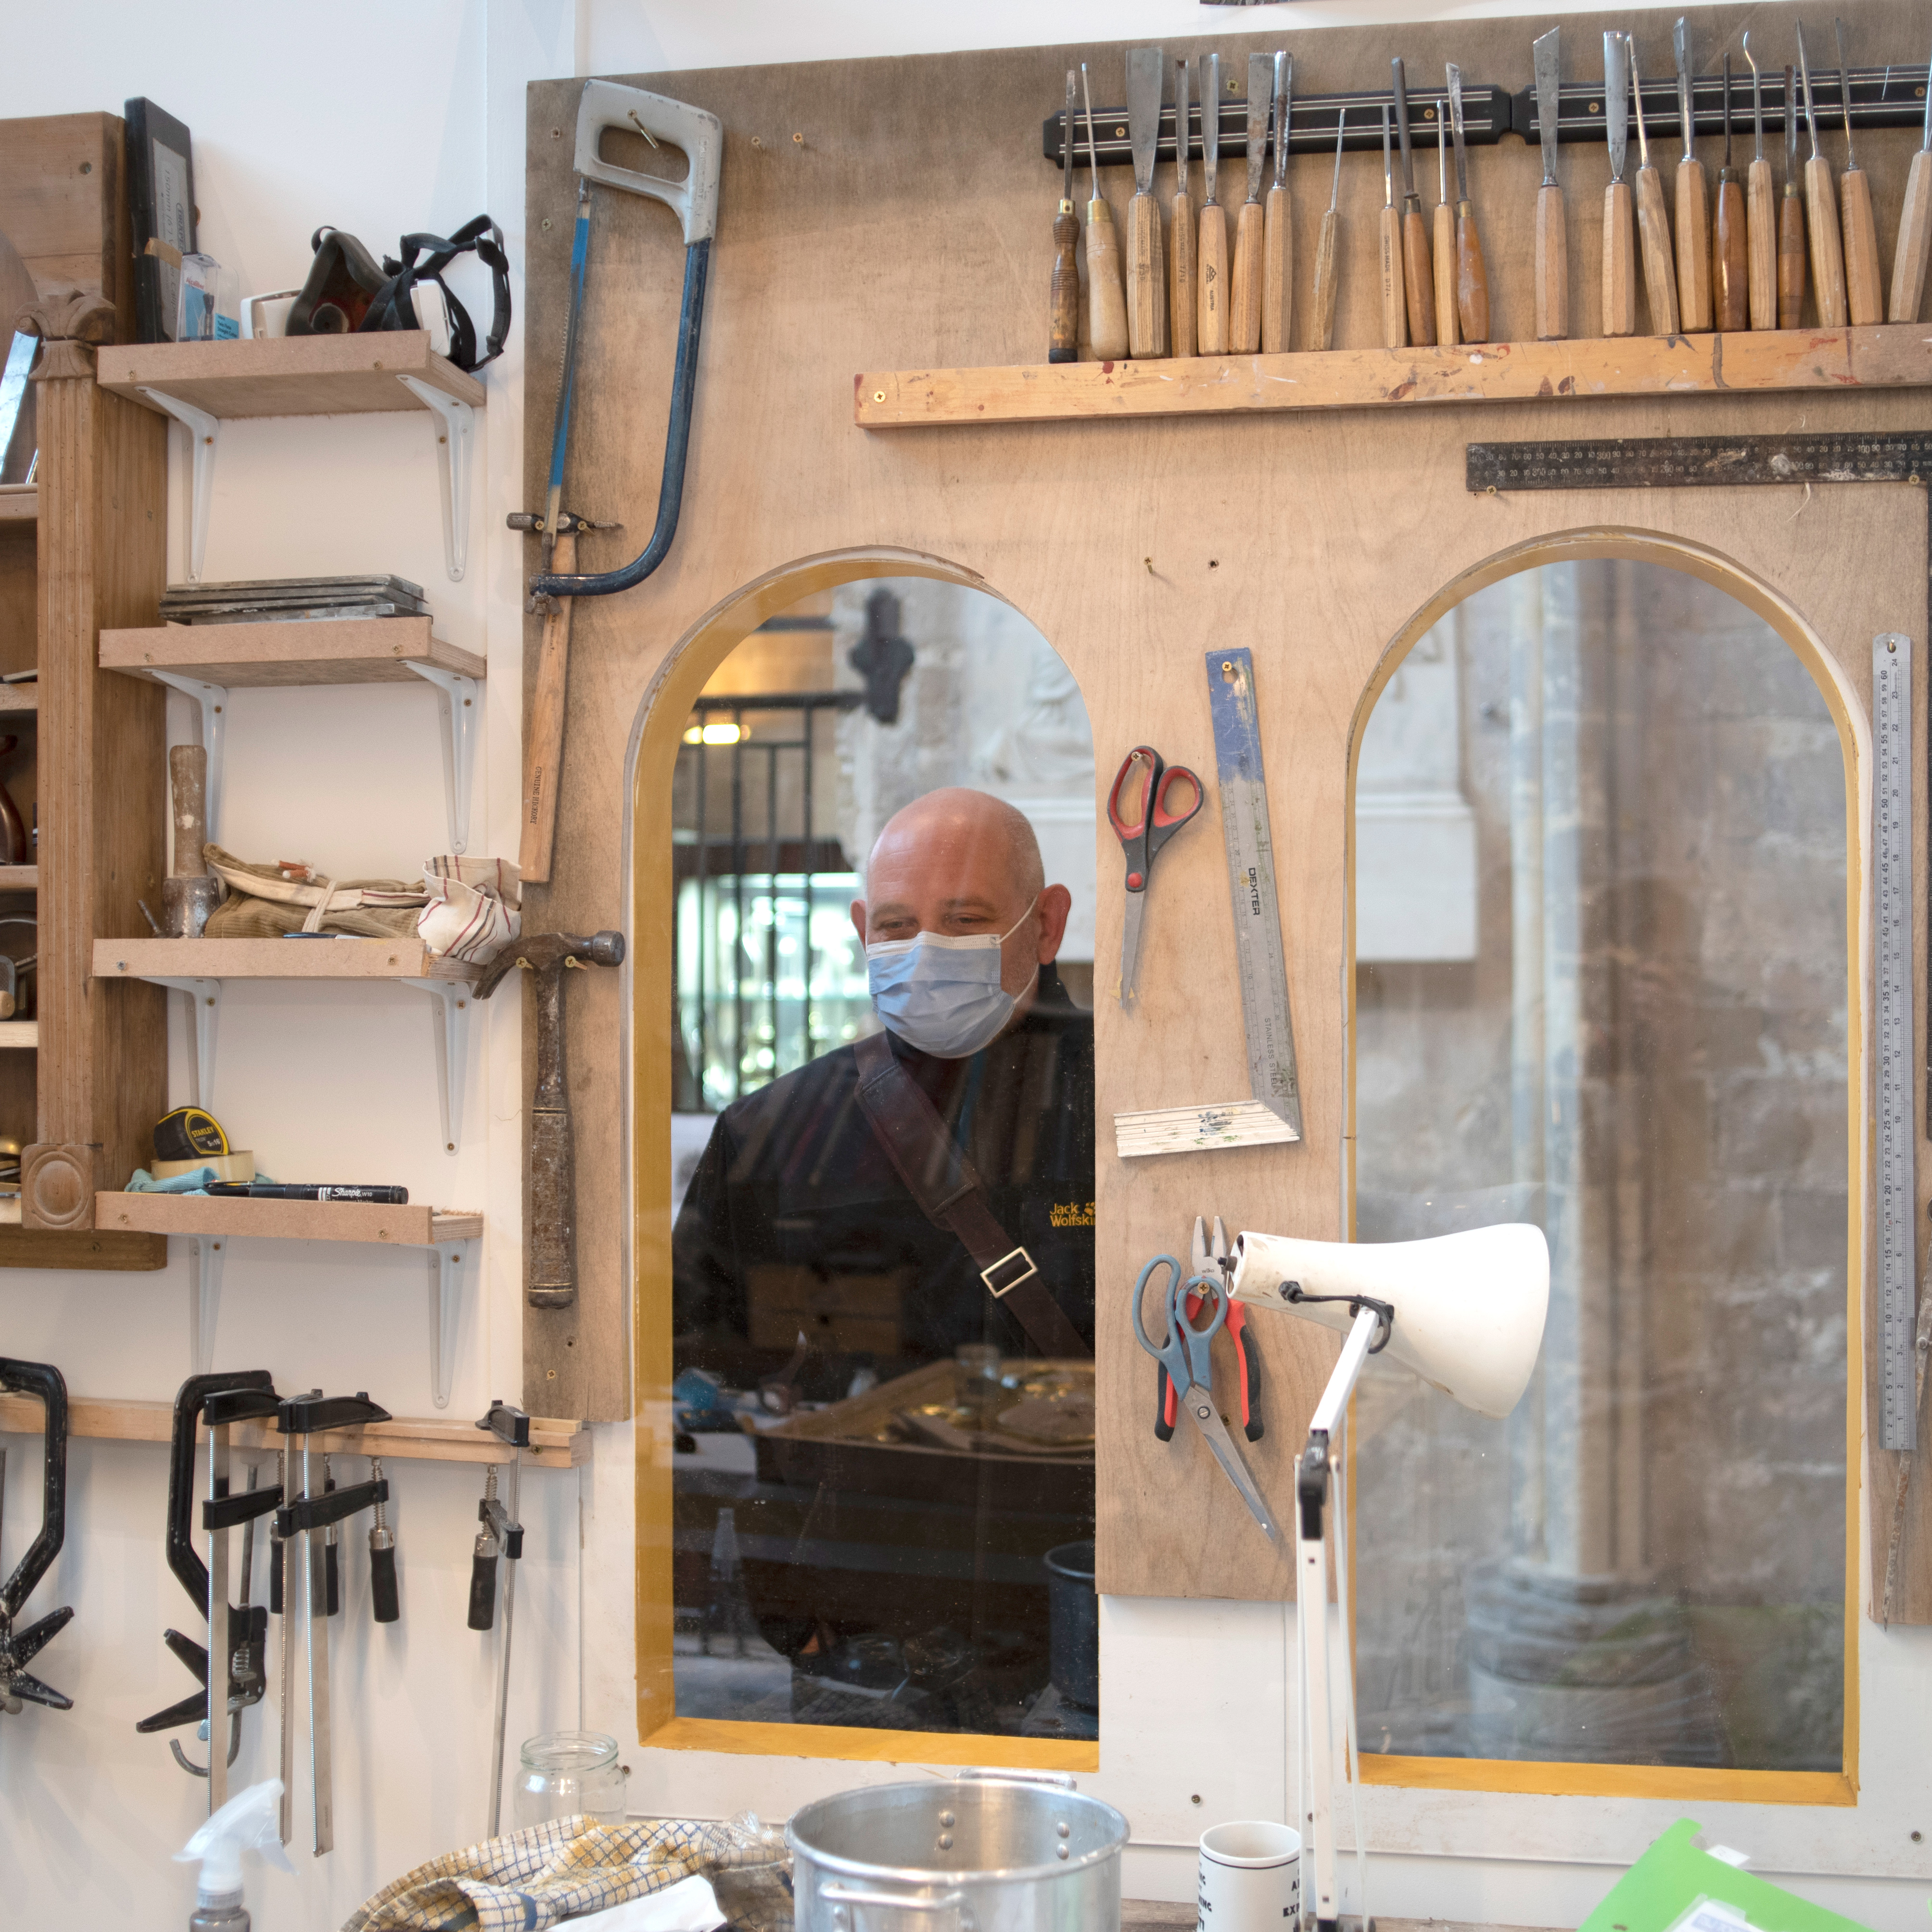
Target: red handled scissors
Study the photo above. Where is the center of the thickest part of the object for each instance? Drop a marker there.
(1153, 823)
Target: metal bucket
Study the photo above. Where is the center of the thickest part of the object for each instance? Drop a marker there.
(986, 1851)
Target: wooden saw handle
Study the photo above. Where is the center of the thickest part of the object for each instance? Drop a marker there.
(1828, 254)
(1210, 280)
(1660, 270)
(1063, 339)
(1761, 220)
(1180, 331)
(1418, 278)
(1792, 253)
(1865, 288)
(1619, 261)
(1472, 278)
(543, 750)
(1693, 248)
(1106, 301)
(1445, 265)
(1914, 242)
(1278, 271)
(1730, 261)
(1147, 298)
(1395, 325)
(1552, 267)
(1244, 308)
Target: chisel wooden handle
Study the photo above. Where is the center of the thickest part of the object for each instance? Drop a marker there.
(1827, 254)
(1660, 269)
(1322, 335)
(1914, 242)
(1277, 272)
(1147, 298)
(1395, 325)
(1761, 220)
(1180, 335)
(1106, 301)
(1693, 248)
(1063, 341)
(1619, 261)
(1446, 333)
(1552, 267)
(1792, 253)
(1865, 288)
(1472, 278)
(543, 749)
(1730, 261)
(1210, 281)
(1244, 312)
(1418, 278)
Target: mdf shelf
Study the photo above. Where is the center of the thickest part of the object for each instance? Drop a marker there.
(19, 701)
(1890, 356)
(357, 650)
(287, 376)
(19, 503)
(19, 1034)
(555, 1443)
(19, 878)
(275, 959)
(413, 1225)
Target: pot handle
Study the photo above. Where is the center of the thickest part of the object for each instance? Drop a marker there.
(835, 1894)
(986, 1773)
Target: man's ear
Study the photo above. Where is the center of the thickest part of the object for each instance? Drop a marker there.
(859, 918)
(1056, 905)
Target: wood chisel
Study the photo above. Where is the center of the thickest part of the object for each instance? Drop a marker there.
(1395, 329)
(1760, 212)
(1278, 224)
(1244, 310)
(511, 1427)
(1106, 301)
(1147, 295)
(1445, 239)
(1180, 331)
(1210, 258)
(1619, 214)
(1915, 229)
(1653, 220)
(1693, 212)
(1791, 247)
(1730, 248)
(1864, 298)
(1063, 342)
(1417, 273)
(1552, 246)
(1472, 280)
(1821, 215)
(1322, 335)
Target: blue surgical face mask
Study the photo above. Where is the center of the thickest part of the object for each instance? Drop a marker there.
(943, 994)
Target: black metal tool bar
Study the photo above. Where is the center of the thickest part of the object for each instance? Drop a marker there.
(1488, 114)
(318, 1512)
(1881, 97)
(1692, 462)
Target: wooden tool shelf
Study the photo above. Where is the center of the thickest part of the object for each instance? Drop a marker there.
(361, 650)
(412, 1225)
(19, 1034)
(19, 878)
(19, 503)
(276, 959)
(555, 1443)
(1897, 355)
(19, 701)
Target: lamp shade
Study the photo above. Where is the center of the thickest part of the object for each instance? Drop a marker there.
(1469, 1308)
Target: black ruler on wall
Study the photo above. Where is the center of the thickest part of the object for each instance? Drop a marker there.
(1692, 462)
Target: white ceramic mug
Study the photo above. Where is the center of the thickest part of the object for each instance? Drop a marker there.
(1250, 1877)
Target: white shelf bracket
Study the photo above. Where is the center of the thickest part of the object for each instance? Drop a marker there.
(204, 1000)
(206, 1254)
(204, 434)
(451, 1261)
(457, 699)
(210, 703)
(451, 1020)
(455, 450)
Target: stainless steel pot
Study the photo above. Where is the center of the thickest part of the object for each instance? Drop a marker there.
(984, 1851)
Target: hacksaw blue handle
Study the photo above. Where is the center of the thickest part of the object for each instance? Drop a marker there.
(580, 253)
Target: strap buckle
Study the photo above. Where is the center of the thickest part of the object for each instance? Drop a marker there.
(1010, 1272)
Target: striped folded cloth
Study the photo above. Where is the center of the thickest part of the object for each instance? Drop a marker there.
(474, 909)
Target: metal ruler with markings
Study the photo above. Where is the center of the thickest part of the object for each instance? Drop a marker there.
(1691, 462)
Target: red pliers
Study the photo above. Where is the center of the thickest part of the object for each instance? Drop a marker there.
(1207, 1258)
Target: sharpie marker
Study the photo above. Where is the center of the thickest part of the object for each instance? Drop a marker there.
(274, 1190)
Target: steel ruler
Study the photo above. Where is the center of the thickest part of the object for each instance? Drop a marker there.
(1273, 1114)
(1897, 1076)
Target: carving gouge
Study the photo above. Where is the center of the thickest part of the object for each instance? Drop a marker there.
(1322, 336)
(1694, 215)
(1472, 280)
(1760, 212)
(1553, 256)
(1106, 304)
(1914, 231)
(1277, 228)
(1064, 343)
(1653, 222)
(1147, 298)
(1730, 254)
(1444, 237)
(1619, 215)
(1821, 214)
(1863, 300)
(1418, 278)
(1791, 249)
(1395, 332)
(1244, 313)
(1210, 259)
(1180, 254)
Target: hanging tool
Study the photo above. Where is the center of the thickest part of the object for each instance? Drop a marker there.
(19, 1648)
(512, 1426)
(238, 1637)
(1418, 278)
(1472, 280)
(1273, 1114)
(1791, 248)
(1153, 823)
(1395, 328)
(1180, 328)
(1915, 228)
(1693, 216)
(604, 105)
(1653, 222)
(1864, 297)
(1552, 246)
(1204, 1256)
(1244, 312)
(384, 1607)
(1730, 251)
(1821, 215)
(1106, 302)
(1446, 332)
(1323, 335)
(1185, 1352)
(1210, 254)
(309, 1509)
(1147, 295)
(1278, 222)
(1063, 336)
(1760, 211)
(1619, 217)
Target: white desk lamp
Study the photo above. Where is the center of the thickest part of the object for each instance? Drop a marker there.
(1465, 1312)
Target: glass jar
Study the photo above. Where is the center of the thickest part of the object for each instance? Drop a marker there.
(565, 1774)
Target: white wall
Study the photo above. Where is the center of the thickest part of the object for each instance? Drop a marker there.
(379, 118)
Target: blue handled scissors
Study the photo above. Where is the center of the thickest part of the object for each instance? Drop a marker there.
(1183, 1351)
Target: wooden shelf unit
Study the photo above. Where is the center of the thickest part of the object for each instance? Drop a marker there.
(412, 1225)
(19, 503)
(1889, 356)
(275, 959)
(19, 701)
(365, 650)
(19, 878)
(19, 1035)
(289, 376)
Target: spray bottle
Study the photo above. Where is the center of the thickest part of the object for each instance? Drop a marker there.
(251, 1819)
